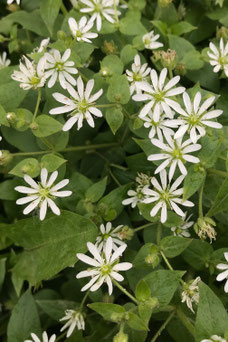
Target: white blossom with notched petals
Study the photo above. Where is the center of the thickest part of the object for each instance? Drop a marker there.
(182, 229)
(166, 196)
(224, 274)
(139, 73)
(215, 338)
(105, 233)
(4, 62)
(80, 30)
(74, 319)
(195, 118)
(219, 57)
(99, 9)
(42, 194)
(59, 68)
(150, 41)
(190, 294)
(45, 338)
(174, 153)
(105, 266)
(31, 75)
(81, 105)
(159, 95)
(11, 1)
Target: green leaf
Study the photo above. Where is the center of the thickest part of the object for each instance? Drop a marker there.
(198, 254)
(110, 312)
(45, 240)
(212, 318)
(127, 54)
(182, 27)
(46, 126)
(174, 245)
(8, 101)
(163, 284)
(51, 162)
(180, 45)
(118, 90)
(161, 26)
(96, 191)
(221, 200)
(193, 181)
(3, 119)
(49, 10)
(2, 271)
(7, 191)
(131, 24)
(114, 118)
(112, 64)
(192, 60)
(24, 141)
(56, 308)
(142, 291)
(135, 322)
(210, 149)
(28, 166)
(24, 118)
(24, 319)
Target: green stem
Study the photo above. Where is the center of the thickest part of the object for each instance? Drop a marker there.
(143, 227)
(37, 105)
(170, 73)
(125, 291)
(60, 336)
(159, 233)
(114, 178)
(63, 9)
(108, 105)
(218, 172)
(201, 201)
(158, 333)
(166, 261)
(83, 300)
(185, 320)
(119, 167)
(116, 13)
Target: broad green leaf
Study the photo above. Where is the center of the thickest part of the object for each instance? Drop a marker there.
(28, 166)
(8, 101)
(221, 200)
(209, 152)
(7, 191)
(110, 312)
(163, 284)
(96, 191)
(139, 4)
(161, 26)
(24, 319)
(140, 258)
(51, 162)
(23, 119)
(180, 45)
(111, 64)
(44, 241)
(212, 318)
(24, 141)
(192, 60)
(56, 308)
(182, 27)
(193, 181)
(135, 322)
(118, 90)
(2, 271)
(198, 254)
(174, 245)
(3, 119)
(128, 53)
(46, 126)
(131, 24)
(82, 51)
(142, 291)
(49, 10)
(114, 118)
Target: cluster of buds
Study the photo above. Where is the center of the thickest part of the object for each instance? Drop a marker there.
(142, 179)
(222, 32)
(126, 233)
(204, 228)
(109, 48)
(169, 59)
(5, 157)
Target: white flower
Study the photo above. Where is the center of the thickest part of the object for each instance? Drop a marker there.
(219, 57)
(175, 153)
(59, 68)
(43, 193)
(190, 294)
(135, 197)
(31, 75)
(166, 196)
(81, 105)
(149, 41)
(215, 338)
(100, 9)
(75, 319)
(105, 266)
(43, 45)
(105, 233)
(159, 94)
(224, 274)
(11, 1)
(45, 338)
(139, 73)
(80, 31)
(182, 229)
(195, 117)
(4, 62)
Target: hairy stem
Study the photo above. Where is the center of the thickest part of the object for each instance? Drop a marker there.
(144, 226)
(158, 333)
(37, 105)
(201, 201)
(125, 291)
(185, 321)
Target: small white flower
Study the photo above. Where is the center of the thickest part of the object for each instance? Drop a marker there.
(82, 104)
(59, 68)
(31, 75)
(150, 41)
(11, 1)
(224, 274)
(99, 9)
(4, 62)
(190, 294)
(139, 73)
(195, 117)
(42, 194)
(215, 338)
(219, 57)
(175, 153)
(105, 266)
(45, 338)
(135, 197)
(166, 196)
(80, 31)
(159, 95)
(182, 229)
(75, 319)
(43, 45)
(105, 233)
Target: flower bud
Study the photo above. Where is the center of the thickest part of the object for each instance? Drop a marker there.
(5, 157)
(105, 72)
(153, 302)
(180, 69)
(13, 7)
(11, 117)
(34, 126)
(164, 3)
(156, 56)
(126, 233)
(204, 228)
(109, 48)
(153, 258)
(61, 35)
(169, 58)
(117, 317)
(120, 337)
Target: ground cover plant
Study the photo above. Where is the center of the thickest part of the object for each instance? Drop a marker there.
(114, 170)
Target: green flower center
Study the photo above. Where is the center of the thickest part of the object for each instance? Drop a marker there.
(140, 195)
(137, 77)
(165, 196)
(177, 154)
(147, 41)
(59, 66)
(159, 96)
(193, 119)
(34, 80)
(105, 270)
(44, 192)
(98, 8)
(79, 33)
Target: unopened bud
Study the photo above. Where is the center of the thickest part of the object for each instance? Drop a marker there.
(105, 72)
(126, 233)
(117, 317)
(156, 56)
(13, 8)
(164, 3)
(11, 117)
(204, 228)
(169, 58)
(180, 69)
(5, 157)
(61, 35)
(120, 337)
(34, 126)
(152, 302)
(109, 48)
(153, 258)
